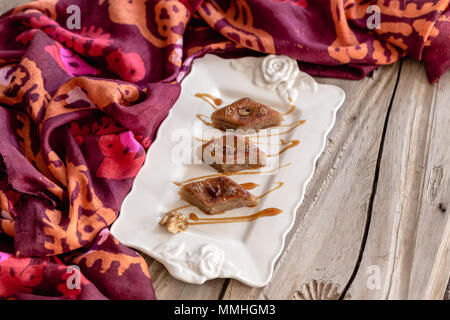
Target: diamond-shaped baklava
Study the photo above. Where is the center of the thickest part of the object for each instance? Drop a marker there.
(233, 152)
(217, 195)
(245, 114)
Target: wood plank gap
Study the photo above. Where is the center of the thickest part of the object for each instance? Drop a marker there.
(374, 188)
(425, 165)
(224, 289)
(447, 292)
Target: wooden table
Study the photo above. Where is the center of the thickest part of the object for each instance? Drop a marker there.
(375, 221)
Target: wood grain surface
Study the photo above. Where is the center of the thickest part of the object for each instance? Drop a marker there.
(375, 221)
(409, 233)
(5, 5)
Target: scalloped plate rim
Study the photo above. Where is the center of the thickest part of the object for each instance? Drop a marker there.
(293, 216)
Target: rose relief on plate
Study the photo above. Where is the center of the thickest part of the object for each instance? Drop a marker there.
(277, 72)
(207, 262)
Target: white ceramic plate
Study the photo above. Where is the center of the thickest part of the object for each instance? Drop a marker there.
(242, 251)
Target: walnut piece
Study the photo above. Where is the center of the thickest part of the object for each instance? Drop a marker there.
(228, 111)
(230, 190)
(197, 187)
(262, 112)
(213, 189)
(245, 111)
(175, 222)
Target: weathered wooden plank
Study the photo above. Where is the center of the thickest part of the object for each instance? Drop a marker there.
(6, 5)
(325, 241)
(409, 234)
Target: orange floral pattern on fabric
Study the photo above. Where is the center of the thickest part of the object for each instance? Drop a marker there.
(26, 87)
(239, 27)
(77, 232)
(168, 14)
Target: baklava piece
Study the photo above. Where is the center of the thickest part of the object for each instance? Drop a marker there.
(233, 152)
(245, 114)
(217, 195)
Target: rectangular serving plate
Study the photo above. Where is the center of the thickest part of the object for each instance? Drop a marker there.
(243, 251)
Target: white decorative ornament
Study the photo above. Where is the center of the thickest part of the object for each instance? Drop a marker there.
(319, 290)
(277, 72)
(210, 260)
(171, 250)
(207, 262)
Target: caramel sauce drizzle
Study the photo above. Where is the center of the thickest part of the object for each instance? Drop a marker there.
(229, 174)
(246, 186)
(266, 142)
(179, 208)
(280, 184)
(208, 98)
(296, 124)
(214, 102)
(269, 212)
(290, 144)
(249, 185)
(292, 125)
(201, 116)
(290, 110)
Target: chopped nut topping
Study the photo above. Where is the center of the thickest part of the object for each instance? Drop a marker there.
(230, 190)
(228, 111)
(197, 187)
(262, 111)
(213, 189)
(245, 111)
(175, 222)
